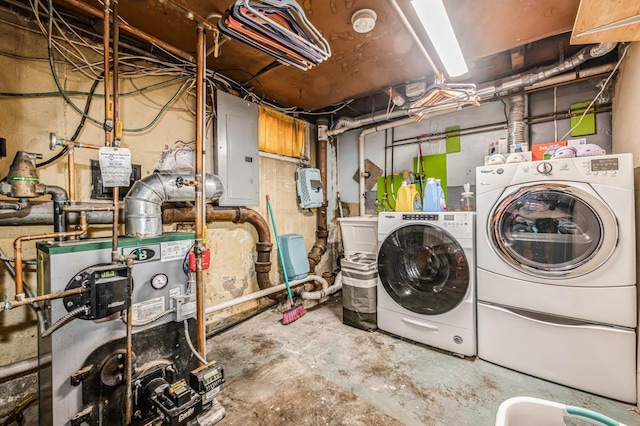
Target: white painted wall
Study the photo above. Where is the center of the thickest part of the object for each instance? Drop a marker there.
(626, 134)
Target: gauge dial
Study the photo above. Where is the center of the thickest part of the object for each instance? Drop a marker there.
(159, 281)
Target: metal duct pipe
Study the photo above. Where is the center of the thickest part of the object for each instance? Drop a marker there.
(235, 215)
(589, 52)
(515, 120)
(143, 203)
(344, 124)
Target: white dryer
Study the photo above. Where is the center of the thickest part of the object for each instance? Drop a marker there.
(556, 271)
(426, 272)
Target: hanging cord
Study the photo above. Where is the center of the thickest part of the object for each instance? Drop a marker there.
(604, 86)
(75, 107)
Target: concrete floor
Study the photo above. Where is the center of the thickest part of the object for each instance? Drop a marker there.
(318, 371)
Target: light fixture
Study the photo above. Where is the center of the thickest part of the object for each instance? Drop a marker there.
(435, 21)
(364, 20)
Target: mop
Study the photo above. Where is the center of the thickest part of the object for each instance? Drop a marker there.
(295, 312)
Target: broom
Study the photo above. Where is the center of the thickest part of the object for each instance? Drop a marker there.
(295, 312)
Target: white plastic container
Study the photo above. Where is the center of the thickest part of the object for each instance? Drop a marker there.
(526, 411)
(359, 234)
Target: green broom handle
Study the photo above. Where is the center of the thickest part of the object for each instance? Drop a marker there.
(280, 255)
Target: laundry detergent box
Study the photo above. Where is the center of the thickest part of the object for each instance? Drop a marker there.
(498, 147)
(544, 151)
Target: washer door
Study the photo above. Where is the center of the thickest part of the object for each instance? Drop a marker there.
(423, 269)
(553, 230)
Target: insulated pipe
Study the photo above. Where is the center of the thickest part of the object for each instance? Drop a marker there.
(42, 213)
(326, 291)
(18, 368)
(346, 123)
(264, 292)
(234, 215)
(361, 163)
(199, 247)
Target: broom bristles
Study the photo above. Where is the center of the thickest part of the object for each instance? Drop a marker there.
(290, 315)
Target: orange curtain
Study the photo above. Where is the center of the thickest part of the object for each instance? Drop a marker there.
(280, 134)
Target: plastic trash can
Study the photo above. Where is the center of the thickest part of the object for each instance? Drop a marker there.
(526, 411)
(359, 291)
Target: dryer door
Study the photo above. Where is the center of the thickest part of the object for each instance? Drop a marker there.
(553, 230)
(423, 269)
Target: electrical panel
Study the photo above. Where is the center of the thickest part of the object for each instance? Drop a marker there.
(235, 150)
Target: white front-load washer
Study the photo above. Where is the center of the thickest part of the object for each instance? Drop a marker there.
(556, 273)
(426, 273)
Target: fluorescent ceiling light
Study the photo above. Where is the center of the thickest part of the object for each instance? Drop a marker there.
(435, 21)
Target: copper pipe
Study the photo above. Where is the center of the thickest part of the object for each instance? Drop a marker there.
(71, 167)
(234, 215)
(116, 143)
(199, 219)
(116, 75)
(108, 124)
(17, 248)
(128, 400)
(51, 296)
(133, 31)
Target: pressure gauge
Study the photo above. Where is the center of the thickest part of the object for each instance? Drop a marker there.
(159, 281)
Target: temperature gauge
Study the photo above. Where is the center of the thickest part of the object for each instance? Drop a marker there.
(159, 281)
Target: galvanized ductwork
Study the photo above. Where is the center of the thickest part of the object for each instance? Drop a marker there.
(515, 120)
(589, 52)
(143, 203)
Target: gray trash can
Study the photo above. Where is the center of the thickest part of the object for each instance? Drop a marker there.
(359, 281)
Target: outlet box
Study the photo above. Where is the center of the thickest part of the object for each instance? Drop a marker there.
(186, 307)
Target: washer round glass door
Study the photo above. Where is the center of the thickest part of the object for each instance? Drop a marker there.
(553, 230)
(423, 269)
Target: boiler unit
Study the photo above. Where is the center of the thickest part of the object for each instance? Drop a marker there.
(82, 369)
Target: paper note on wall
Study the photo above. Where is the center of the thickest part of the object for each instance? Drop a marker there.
(115, 166)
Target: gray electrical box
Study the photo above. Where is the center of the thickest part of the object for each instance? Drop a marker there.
(235, 150)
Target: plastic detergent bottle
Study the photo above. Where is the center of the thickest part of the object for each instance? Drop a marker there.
(442, 203)
(404, 199)
(415, 197)
(430, 200)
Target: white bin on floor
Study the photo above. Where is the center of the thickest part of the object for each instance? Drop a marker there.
(526, 411)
